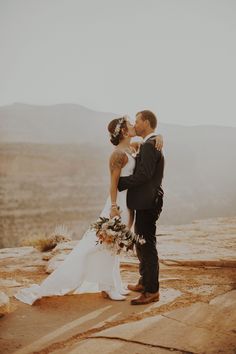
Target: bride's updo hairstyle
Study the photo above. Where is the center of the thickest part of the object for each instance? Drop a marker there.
(116, 129)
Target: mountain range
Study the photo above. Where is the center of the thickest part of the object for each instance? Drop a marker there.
(200, 170)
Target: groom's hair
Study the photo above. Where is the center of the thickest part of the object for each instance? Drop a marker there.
(150, 116)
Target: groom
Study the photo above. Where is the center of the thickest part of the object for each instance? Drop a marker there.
(145, 196)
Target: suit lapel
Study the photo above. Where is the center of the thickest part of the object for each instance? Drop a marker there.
(141, 146)
(151, 137)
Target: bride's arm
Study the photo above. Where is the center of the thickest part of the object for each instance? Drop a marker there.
(117, 161)
(158, 143)
(135, 145)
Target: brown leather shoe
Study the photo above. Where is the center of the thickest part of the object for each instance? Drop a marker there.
(136, 287)
(146, 298)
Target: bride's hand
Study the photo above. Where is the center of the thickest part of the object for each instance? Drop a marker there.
(114, 212)
(159, 142)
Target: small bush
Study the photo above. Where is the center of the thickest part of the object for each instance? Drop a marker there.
(48, 242)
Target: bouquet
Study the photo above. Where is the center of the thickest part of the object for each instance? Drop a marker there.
(114, 235)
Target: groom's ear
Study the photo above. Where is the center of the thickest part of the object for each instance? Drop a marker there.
(147, 123)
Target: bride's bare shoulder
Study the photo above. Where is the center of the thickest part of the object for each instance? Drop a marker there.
(118, 159)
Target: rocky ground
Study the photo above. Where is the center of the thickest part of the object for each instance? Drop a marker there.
(196, 312)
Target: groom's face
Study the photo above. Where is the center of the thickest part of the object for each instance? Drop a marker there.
(140, 125)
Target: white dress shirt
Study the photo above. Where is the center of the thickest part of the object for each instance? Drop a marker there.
(148, 136)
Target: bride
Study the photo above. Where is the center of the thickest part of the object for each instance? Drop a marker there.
(90, 267)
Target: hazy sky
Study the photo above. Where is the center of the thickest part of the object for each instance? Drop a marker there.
(175, 57)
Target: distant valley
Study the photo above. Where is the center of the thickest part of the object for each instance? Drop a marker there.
(54, 169)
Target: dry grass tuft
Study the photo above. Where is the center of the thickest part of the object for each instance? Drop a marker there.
(48, 242)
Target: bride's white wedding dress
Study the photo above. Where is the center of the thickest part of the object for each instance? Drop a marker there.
(88, 267)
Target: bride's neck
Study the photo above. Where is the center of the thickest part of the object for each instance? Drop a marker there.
(125, 143)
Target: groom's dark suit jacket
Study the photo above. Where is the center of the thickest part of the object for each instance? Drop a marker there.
(144, 186)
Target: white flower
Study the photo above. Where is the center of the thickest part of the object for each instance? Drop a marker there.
(111, 222)
(142, 241)
(116, 217)
(111, 232)
(105, 226)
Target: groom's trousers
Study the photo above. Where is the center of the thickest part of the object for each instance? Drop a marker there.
(145, 225)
